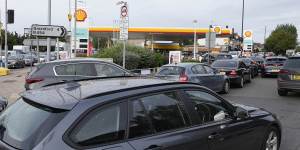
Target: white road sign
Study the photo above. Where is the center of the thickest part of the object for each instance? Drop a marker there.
(210, 39)
(48, 31)
(124, 23)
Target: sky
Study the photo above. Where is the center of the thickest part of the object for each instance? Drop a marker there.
(165, 13)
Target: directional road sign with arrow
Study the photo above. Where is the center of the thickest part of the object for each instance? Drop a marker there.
(48, 31)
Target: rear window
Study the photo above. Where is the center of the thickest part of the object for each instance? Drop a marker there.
(224, 57)
(293, 63)
(37, 122)
(225, 64)
(276, 60)
(171, 70)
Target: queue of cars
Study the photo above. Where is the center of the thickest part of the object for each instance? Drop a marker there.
(92, 104)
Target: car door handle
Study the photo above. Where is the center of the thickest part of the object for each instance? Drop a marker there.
(154, 147)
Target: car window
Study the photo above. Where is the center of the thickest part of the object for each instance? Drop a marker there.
(100, 126)
(209, 70)
(224, 64)
(139, 123)
(165, 112)
(198, 69)
(105, 70)
(85, 69)
(292, 63)
(206, 105)
(65, 69)
(170, 70)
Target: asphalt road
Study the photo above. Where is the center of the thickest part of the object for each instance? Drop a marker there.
(262, 93)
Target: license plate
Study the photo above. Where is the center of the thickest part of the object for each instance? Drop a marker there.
(296, 77)
(275, 70)
(222, 73)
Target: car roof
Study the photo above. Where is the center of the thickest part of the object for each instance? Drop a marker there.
(294, 57)
(182, 65)
(66, 96)
(276, 57)
(75, 60)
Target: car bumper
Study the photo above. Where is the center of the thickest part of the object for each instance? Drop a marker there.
(234, 80)
(289, 85)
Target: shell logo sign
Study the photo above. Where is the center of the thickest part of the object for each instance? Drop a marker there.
(217, 29)
(248, 34)
(81, 15)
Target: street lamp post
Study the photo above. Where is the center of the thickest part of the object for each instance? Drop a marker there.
(48, 39)
(5, 40)
(75, 29)
(195, 39)
(243, 14)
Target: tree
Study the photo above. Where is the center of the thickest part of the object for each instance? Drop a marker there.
(284, 37)
(13, 38)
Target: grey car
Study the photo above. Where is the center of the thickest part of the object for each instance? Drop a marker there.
(197, 73)
(74, 69)
(134, 114)
(289, 76)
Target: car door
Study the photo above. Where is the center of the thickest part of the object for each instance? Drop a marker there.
(103, 128)
(216, 79)
(223, 133)
(160, 122)
(200, 76)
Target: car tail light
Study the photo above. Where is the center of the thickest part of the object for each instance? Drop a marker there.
(183, 78)
(33, 80)
(233, 73)
(283, 71)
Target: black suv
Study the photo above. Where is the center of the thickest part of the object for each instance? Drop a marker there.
(134, 114)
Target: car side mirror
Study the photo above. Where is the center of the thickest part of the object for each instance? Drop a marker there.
(220, 116)
(3, 103)
(241, 113)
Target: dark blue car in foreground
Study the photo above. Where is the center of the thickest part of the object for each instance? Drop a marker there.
(134, 114)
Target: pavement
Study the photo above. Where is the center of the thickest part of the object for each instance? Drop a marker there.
(13, 84)
(262, 92)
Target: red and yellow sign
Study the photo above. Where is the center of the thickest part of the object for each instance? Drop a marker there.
(248, 34)
(81, 15)
(217, 29)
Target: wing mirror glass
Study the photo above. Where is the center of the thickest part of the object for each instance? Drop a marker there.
(3, 103)
(241, 113)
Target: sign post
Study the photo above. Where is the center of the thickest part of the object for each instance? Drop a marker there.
(124, 25)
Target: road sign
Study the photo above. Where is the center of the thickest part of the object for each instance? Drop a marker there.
(124, 23)
(48, 31)
(124, 11)
(211, 39)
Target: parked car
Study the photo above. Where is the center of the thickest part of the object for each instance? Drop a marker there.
(223, 56)
(14, 62)
(259, 62)
(289, 76)
(134, 114)
(208, 57)
(197, 73)
(252, 65)
(235, 69)
(234, 54)
(29, 60)
(67, 70)
(272, 65)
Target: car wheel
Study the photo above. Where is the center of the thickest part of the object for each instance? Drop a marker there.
(282, 92)
(226, 87)
(271, 140)
(241, 84)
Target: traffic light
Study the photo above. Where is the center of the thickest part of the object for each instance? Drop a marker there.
(10, 16)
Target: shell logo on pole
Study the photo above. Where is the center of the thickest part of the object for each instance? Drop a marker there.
(217, 29)
(248, 34)
(81, 15)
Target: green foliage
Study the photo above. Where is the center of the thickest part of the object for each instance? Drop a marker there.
(298, 49)
(13, 38)
(284, 37)
(190, 61)
(136, 57)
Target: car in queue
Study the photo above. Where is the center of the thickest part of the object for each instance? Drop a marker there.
(289, 77)
(224, 56)
(272, 65)
(15, 62)
(236, 70)
(134, 114)
(47, 74)
(29, 60)
(197, 73)
(252, 66)
(259, 62)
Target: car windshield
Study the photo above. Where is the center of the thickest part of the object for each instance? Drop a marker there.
(37, 122)
(224, 64)
(171, 70)
(224, 57)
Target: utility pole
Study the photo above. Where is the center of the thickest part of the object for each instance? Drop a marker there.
(243, 15)
(75, 29)
(209, 40)
(265, 34)
(70, 28)
(1, 41)
(5, 41)
(49, 39)
(195, 39)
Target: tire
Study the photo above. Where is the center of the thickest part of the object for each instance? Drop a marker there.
(271, 140)
(282, 92)
(226, 87)
(241, 84)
